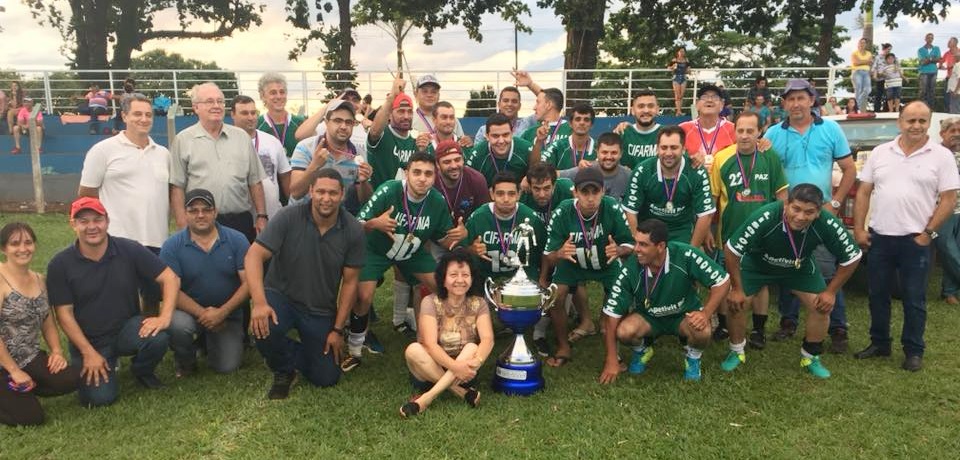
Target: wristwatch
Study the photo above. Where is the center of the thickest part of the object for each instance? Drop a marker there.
(932, 234)
(263, 216)
(835, 204)
(338, 330)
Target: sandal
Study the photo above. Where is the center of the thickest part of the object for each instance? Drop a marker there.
(15, 150)
(577, 334)
(559, 361)
(472, 397)
(409, 409)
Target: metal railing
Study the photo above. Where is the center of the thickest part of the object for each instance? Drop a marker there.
(608, 90)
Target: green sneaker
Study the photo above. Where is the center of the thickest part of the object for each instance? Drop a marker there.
(815, 367)
(691, 370)
(733, 361)
(638, 363)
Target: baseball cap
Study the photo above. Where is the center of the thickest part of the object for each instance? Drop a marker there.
(87, 202)
(798, 84)
(428, 79)
(340, 104)
(447, 147)
(587, 176)
(706, 87)
(402, 99)
(199, 194)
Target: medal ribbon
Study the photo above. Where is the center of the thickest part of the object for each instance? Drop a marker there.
(708, 150)
(281, 136)
(577, 156)
(743, 174)
(793, 243)
(502, 241)
(587, 238)
(256, 142)
(647, 288)
(411, 223)
(553, 135)
(673, 188)
(456, 198)
(425, 122)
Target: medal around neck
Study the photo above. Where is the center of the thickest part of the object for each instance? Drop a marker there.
(519, 303)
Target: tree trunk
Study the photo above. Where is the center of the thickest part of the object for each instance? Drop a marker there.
(826, 33)
(128, 33)
(346, 35)
(584, 31)
(89, 21)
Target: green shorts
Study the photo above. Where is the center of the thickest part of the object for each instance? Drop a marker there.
(663, 325)
(571, 275)
(756, 274)
(376, 265)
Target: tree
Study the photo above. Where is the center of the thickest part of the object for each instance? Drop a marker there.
(88, 27)
(155, 83)
(482, 103)
(337, 41)
(583, 21)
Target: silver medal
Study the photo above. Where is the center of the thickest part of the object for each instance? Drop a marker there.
(669, 206)
(746, 192)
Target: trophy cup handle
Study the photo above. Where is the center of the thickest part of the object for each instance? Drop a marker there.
(549, 298)
(489, 287)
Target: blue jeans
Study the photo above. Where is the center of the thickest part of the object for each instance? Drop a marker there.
(888, 257)
(147, 353)
(224, 347)
(789, 305)
(284, 354)
(861, 88)
(928, 87)
(948, 250)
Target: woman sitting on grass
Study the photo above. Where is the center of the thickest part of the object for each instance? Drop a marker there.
(27, 372)
(456, 336)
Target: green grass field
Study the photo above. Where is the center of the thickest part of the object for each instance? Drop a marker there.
(767, 409)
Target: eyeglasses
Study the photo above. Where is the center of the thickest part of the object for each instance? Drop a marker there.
(220, 102)
(343, 121)
(197, 211)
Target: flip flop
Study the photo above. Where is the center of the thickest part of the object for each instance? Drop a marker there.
(559, 361)
(577, 334)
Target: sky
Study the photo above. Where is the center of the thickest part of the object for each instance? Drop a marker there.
(461, 64)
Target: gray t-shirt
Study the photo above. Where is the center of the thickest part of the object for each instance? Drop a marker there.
(307, 267)
(613, 185)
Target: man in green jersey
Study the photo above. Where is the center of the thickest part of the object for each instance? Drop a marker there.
(670, 189)
(640, 139)
(577, 151)
(444, 124)
(742, 179)
(501, 151)
(278, 122)
(585, 239)
(389, 147)
(551, 127)
(774, 246)
(399, 219)
(489, 232)
(655, 295)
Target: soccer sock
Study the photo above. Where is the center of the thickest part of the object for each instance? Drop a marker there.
(811, 349)
(694, 353)
(540, 330)
(738, 347)
(358, 332)
(759, 322)
(721, 321)
(640, 348)
(401, 298)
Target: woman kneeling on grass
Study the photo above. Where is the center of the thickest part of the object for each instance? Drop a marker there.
(456, 336)
(27, 371)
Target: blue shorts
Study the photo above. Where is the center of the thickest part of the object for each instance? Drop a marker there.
(894, 93)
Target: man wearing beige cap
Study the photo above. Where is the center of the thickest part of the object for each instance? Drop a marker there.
(427, 94)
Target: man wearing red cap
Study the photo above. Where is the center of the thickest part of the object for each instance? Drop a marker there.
(389, 147)
(463, 187)
(94, 286)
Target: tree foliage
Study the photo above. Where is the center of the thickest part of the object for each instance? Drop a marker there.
(155, 83)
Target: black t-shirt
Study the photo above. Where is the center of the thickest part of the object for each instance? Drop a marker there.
(104, 293)
(308, 267)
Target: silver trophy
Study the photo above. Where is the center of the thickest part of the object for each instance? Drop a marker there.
(519, 303)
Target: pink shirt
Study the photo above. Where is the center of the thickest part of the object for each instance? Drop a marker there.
(714, 139)
(23, 114)
(906, 188)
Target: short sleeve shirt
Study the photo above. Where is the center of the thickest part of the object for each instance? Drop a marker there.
(389, 154)
(564, 155)
(765, 179)
(425, 220)
(104, 293)
(306, 266)
(469, 194)
(648, 192)
(590, 234)
(562, 190)
(273, 157)
(487, 164)
(707, 141)
(496, 236)
(638, 145)
(669, 294)
(558, 131)
(209, 278)
(284, 132)
(809, 157)
(347, 166)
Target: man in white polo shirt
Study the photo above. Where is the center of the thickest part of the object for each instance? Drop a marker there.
(905, 177)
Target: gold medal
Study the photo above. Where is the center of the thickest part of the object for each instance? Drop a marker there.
(669, 206)
(646, 304)
(409, 238)
(796, 264)
(746, 192)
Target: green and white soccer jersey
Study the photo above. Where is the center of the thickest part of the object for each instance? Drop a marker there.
(609, 220)
(638, 145)
(563, 155)
(674, 293)
(431, 215)
(432, 147)
(765, 178)
(562, 190)
(389, 154)
(767, 255)
(516, 161)
(647, 197)
(481, 223)
(554, 134)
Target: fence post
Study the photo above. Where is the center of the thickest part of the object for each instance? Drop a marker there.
(693, 98)
(831, 76)
(629, 89)
(176, 94)
(113, 102)
(35, 160)
(47, 92)
(171, 124)
(306, 97)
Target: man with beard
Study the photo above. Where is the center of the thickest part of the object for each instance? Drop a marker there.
(316, 251)
(548, 112)
(389, 147)
(208, 258)
(640, 139)
(508, 103)
(655, 295)
(709, 133)
(444, 123)
(463, 188)
(616, 177)
(775, 245)
(427, 94)
(272, 155)
(668, 188)
(399, 218)
(577, 151)
(586, 238)
(501, 151)
(277, 121)
(948, 245)
(333, 150)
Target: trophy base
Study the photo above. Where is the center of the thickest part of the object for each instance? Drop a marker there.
(518, 379)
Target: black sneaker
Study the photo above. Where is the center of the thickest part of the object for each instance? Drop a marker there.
(282, 381)
(838, 341)
(349, 363)
(757, 340)
(149, 381)
(720, 334)
(542, 347)
(786, 331)
(406, 330)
